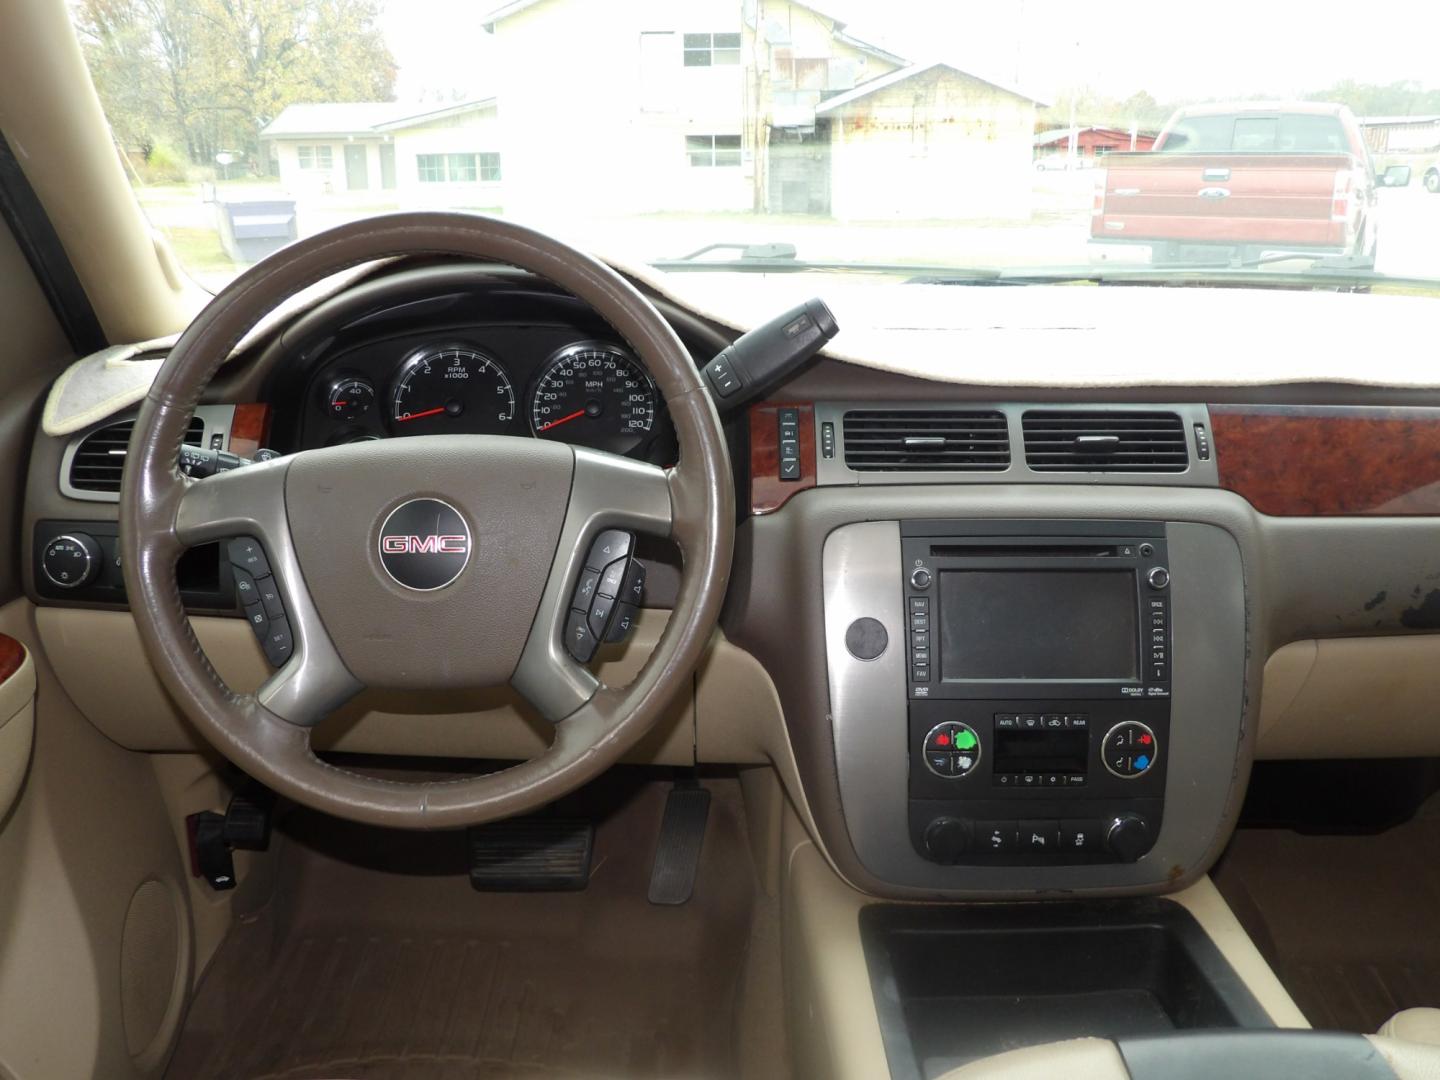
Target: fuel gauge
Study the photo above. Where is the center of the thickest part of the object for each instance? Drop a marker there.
(350, 400)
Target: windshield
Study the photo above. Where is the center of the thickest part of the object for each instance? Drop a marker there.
(913, 138)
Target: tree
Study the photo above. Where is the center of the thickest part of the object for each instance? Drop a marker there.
(210, 74)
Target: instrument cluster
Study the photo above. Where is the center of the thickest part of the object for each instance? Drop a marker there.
(490, 380)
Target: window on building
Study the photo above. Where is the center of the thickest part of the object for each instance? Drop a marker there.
(458, 168)
(712, 50)
(709, 151)
(315, 157)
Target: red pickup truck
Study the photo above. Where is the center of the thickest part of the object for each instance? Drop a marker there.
(1242, 184)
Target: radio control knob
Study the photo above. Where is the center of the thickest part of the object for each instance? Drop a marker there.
(947, 838)
(920, 578)
(71, 560)
(1158, 577)
(1127, 837)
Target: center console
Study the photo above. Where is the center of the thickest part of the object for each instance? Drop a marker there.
(1038, 682)
(1022, 705)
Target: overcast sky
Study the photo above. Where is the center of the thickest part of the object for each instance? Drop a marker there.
(1196, 49)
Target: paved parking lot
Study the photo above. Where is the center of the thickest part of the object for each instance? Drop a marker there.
(1056, 234)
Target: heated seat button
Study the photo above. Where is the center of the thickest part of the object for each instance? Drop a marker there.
(579, 641)
(1079, 835)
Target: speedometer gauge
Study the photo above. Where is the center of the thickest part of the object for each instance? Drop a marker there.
(594, 394)
(450, 389)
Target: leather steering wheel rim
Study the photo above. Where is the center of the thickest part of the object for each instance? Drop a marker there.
(267, 733)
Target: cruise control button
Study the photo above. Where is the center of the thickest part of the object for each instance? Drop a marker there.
(258, 620)
(269, 594)
(246, 553)
(278, 643)
(244, 586)
(579, 641)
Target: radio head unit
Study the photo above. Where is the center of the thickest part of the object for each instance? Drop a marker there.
(1038, 662)
(1038, 613)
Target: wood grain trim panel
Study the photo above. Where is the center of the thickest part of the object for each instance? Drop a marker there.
(248, 429)
(12, 655)
(767, 491)
(1294, 461)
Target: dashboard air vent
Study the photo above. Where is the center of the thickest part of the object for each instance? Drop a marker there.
(1139, 442)
(926, 440)
(99, 458)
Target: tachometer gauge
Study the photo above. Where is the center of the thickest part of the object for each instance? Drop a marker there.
(452, 388)
(594, 394)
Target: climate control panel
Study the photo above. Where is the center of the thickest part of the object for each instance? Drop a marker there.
(1037, 782)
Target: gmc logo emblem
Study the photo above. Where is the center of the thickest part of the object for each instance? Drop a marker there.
(424, 545)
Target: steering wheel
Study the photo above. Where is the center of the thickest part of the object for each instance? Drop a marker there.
(522, 514)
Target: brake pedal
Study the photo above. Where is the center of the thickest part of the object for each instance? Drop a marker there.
(531, 854)
(682, 836)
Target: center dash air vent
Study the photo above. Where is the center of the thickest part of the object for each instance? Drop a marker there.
(1140, 442)
(926, 440)
(100, 457)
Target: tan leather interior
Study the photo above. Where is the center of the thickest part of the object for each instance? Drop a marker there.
(1420, 1025)
(1076, 1059)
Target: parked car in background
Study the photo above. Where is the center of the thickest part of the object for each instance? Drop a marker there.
(1245, 183)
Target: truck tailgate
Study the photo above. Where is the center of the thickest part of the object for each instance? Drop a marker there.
(1251, 199)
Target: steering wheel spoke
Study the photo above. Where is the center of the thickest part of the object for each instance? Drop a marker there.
(609, 494)
(244, 510)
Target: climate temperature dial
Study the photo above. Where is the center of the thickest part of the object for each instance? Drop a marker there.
(1131, 750)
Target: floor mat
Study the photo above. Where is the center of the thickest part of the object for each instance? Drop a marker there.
(1347, 922)
(377, 960)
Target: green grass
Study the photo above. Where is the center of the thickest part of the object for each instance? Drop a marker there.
(199, 249)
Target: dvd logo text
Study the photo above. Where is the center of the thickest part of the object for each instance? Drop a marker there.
(424, 545)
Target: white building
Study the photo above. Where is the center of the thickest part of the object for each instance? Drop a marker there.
(449, 156)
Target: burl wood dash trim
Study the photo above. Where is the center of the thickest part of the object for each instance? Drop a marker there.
(12, 655)
(767, 491)
(1293, 461)
(248, 429)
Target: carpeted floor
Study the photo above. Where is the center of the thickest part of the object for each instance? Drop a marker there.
(376, 959)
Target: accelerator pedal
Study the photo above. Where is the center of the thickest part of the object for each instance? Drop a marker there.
(682, 835)
(531, 854)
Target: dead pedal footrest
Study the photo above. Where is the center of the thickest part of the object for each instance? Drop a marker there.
(682, 836)
(541, 854)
